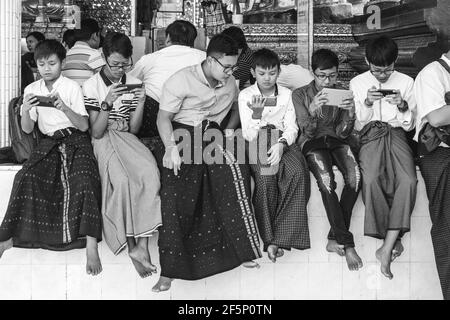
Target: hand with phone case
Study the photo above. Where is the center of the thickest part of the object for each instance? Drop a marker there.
(315, 107)
(373, 95)
(395, 98)
(257, 106)
(116, 90)
(29, 101)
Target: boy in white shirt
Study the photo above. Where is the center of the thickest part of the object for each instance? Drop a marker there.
(389, 181)
(280, 196)
(55, 201)
(432, 91)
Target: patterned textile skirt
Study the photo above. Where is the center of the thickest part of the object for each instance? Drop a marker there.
(435, 169)
(281, 196)
(55, 200)
(208, 223)
(131, 206)
(148, 127)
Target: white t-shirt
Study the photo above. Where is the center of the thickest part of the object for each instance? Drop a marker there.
(155, 68)
(282, 116)
(293, 76)
(51, 119)
(381, 109)
(430, 87)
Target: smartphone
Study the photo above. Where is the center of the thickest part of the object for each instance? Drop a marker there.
(270, 102)
(336, 96)
(131, 86)
(386, 92)
(46, 101)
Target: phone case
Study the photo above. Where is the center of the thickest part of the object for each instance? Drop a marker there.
(336, 96)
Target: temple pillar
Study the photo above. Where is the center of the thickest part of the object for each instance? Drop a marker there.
(10, 35)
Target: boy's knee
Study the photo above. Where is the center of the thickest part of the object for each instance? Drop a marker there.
(326, 183)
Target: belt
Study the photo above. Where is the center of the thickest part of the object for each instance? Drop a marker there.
(62, 133)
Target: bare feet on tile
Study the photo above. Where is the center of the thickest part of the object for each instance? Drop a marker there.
(5, 245)
(163, 284)
(333, 246)
(354, 262)
(384, 256)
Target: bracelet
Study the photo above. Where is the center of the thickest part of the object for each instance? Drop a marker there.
(404, 108)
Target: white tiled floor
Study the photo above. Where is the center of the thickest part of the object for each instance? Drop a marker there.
(308, 274)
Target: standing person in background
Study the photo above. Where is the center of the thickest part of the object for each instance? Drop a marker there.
(155, 68)
(131, 206)
(323, 133)
(432, 91)
(245, 61)
(29, 70)
(389, 182)
(84, 59)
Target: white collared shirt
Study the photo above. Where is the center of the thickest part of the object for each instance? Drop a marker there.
(430, 87)
(51, 119)
(381, 109)
(282, 116)
(155, 68)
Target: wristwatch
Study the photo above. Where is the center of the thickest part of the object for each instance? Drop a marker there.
(284, 142)
(105, 106)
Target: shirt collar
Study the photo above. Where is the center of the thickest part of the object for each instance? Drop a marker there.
(275, 93)
(203, 79)
(55, 86)
(108, 82)
(447, 60)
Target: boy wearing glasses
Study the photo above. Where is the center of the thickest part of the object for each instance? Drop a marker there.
(281, 194)
(56, 196)
(84, 59)
(131, 206)
(323, 133)
(386, 160)
(208, 223)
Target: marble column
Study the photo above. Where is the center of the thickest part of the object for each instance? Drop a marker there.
(10, 35)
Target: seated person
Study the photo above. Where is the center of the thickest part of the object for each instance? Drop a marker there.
(281, 194)
(208, 223)
(56, 197)
(131, 206)
(323, 132)
(389, 181)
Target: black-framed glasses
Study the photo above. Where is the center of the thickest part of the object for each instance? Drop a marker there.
(225, 68)
(322, 77)
(387, 72)
(124, 67)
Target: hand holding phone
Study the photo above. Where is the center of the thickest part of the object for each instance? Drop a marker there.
(386, 92)
(270, 102)
(46, 101)
(131, 87)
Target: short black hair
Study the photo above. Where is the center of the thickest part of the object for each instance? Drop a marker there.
(223, 45)
(182, 32)
(265, 58)
(381, 51)
(88, 27)
(117, 42)
(36, 34)
(46, 48)
(324, 59)
(238, 35)
(69, 37)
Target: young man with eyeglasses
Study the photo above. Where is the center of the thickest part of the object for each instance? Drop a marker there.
(84, 59)
(386, 159)
(323, 133)
(131, 206)
(208, 223)
(282, 184)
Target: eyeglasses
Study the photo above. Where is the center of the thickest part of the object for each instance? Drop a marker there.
(124, 67)
(330, 77)
(225, 68)
(386, 72)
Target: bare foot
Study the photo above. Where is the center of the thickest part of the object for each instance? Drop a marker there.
(163, 284)
(272, 251)
(333, 246)
(143, 272)
(354, 262)
(280, 253)
(93, 264)
(251, 264)
(398, 249)
(5, 245)
(384, 257)
(142, 256)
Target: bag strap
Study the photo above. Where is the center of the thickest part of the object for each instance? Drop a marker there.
(445, 65)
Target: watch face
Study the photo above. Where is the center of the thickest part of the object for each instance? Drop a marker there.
(105, 107)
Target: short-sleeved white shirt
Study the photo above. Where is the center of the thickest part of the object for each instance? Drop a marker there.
(155, 68)
(430, 87)
(51, 119)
